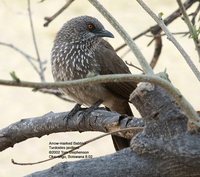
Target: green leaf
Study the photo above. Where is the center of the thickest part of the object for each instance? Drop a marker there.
(160, 15)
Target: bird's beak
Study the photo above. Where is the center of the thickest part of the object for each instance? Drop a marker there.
(103, 33)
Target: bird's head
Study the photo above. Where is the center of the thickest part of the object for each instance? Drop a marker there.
(82, 28)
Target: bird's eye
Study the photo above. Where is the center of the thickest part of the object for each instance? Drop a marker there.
(90, 27)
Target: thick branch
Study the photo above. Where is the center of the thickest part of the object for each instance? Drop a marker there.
(131, 164)
(122, 164)
(99, 120)
(164, 148)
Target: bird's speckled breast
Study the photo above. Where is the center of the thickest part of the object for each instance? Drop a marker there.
(70, 62)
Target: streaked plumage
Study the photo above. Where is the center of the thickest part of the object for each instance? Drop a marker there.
(80, 52)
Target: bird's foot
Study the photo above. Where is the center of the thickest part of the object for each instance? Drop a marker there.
(74, 110)
(92, 108)
(85, 111)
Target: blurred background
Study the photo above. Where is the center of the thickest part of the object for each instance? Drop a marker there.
(18, 103)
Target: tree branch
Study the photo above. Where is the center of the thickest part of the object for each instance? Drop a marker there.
(155, 30)
(171, 38)
(95, 80)
(50, 19)
(191, 28)
(98, 120)
(41, 73)
(187, 4)
(141, 59)
(55, 92)
(183, 103)
(157, 50)
(189, 110)
(134, 38)
(194, 14)
(29, 58)
(164, 144)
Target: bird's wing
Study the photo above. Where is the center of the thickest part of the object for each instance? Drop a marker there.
(111, 63)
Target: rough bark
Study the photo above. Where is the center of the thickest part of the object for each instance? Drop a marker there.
(164, 148)
(99, 120)
(105, 166)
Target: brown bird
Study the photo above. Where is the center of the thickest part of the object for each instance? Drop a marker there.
(79, 52)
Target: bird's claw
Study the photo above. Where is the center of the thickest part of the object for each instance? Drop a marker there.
(74, 110)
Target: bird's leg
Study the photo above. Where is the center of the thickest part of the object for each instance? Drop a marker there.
(74, 110)
(86, 111)
(92, 108)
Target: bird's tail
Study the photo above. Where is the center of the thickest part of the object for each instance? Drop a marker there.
(120, 142)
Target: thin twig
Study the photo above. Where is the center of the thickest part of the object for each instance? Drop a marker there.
(125, 53)
(171, 38)
(132, 65)
(163, 34)
(35, 43)
(136, 37)
(191, 28)
(157, 51)
(77, 147)
(194, 14)
(177, 13)
(141, 59)
(18, 50)
(183, 103)
(56, 93)
(156, 28)
(50, 19)
(29, 58)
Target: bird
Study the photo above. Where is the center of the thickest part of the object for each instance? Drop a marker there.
(79, 51)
